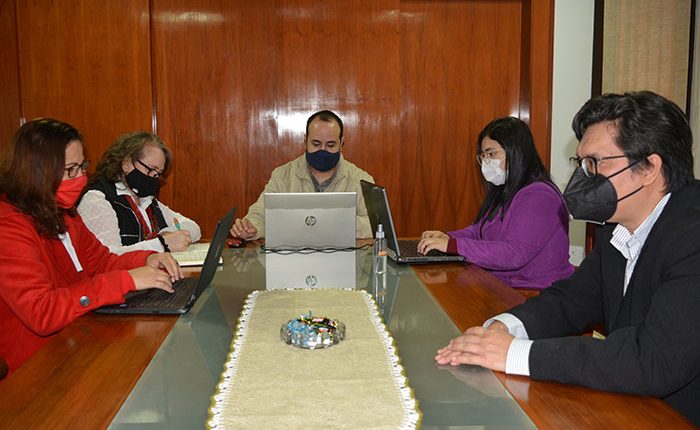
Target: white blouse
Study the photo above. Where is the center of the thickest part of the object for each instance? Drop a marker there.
(99, 216)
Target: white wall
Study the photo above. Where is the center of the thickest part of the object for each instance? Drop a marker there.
(571, 88)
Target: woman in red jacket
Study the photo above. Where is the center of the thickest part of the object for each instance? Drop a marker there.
(52, 269)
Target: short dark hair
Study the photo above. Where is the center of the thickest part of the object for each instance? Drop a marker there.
(326, 116)
(32, 170)
(127, 146)
(523, 163)
(646, 123)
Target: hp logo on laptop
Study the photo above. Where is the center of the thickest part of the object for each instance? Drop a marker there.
(310, 221)
(311, 280)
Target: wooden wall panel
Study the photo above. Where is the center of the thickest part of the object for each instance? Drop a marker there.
(243, 112)
(216, 79)
(343, 56)
(86, 63)
(537, 62)
(9, 88)
(460, 69)
(415, 81)
(229, 86)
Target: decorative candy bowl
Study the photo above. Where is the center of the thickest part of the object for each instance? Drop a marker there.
(312, 332)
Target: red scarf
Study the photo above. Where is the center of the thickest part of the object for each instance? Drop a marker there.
(147, 233)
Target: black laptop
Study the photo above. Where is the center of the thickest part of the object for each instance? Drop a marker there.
(403, 251)
(187, 290)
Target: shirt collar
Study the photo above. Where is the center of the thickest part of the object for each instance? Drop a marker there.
(322, 186)
(630, 244)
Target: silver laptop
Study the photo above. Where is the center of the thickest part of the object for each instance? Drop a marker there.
(316, 270)
(402, 251)
(320, 221)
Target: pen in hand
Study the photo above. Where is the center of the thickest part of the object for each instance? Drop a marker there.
(179, 228)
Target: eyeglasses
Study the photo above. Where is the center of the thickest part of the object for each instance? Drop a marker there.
(74, 168)
(589, 165)
(151, 171)
(487, 155)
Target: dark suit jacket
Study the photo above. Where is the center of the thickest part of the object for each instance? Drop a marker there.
(653, 332)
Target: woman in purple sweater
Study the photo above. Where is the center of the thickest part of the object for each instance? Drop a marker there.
(521, 233)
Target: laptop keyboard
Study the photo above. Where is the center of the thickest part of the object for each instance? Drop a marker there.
(155, 297)
(409, 248)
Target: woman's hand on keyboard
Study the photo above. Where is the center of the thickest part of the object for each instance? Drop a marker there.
(150, 277)
(434, 234)
(430, 243)
(167, 262)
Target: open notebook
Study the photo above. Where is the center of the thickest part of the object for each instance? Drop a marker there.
(194, 255)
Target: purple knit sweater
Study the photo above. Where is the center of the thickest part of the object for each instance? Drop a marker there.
(529, 247)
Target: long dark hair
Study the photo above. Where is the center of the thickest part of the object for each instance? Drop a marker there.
(127, 146)
(524, 165)
(32, 170)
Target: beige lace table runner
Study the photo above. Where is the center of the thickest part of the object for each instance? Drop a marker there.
(356, 384)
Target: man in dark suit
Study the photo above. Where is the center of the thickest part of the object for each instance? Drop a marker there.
(642, 280)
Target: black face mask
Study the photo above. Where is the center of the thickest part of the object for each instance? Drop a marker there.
(593, 199)
(142, 184)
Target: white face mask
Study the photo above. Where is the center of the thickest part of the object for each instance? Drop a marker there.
(491, 169)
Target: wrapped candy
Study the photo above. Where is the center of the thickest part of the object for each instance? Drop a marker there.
(312, 332)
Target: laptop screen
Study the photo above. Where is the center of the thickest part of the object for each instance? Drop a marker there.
(310, 220)
(211, 261)
(379, 213)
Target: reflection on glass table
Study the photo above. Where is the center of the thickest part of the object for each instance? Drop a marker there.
(176, 388)
(315, 270)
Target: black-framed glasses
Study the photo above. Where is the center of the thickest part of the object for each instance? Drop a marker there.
(74, 168)
(151, 171)
(589, 165)
(487, 155)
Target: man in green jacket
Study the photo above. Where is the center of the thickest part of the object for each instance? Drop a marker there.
(321, 168)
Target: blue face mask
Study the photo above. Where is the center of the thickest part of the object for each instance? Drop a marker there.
(321, 160)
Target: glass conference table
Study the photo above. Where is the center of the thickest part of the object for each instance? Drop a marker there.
(175, 389)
